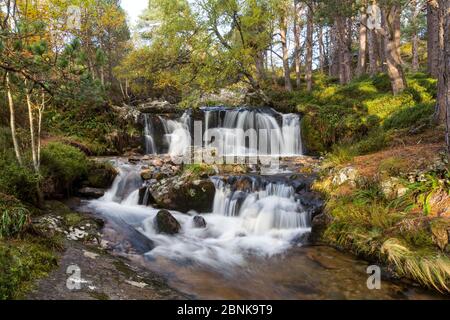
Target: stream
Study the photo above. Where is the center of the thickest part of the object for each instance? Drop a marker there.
(254, 245)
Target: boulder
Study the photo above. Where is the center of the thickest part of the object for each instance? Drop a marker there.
(166, 223)
(181, 194)
(91, 193)
(147, 174)
(101, 176)
(145, 197)
(348, 174)
(392, 188)
(199, 222)
(319, 225)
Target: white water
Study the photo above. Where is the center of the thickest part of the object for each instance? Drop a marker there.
(266, 222)
(229, 132)
(150, 147)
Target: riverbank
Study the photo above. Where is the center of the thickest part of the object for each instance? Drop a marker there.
(391, 207)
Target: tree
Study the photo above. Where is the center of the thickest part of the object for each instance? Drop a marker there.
(433, 26)
(363, 44)
(442, 107)
(309, 45)
(391, 30)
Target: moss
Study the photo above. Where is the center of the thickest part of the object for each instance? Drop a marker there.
(64, 165)
(21, 263)
(100, 175)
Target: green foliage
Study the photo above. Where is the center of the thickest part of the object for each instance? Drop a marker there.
(415, 116)
(101, 175)
(64, 164)
(376, 140)
(17, 180)
(21, 263)
(14, 216)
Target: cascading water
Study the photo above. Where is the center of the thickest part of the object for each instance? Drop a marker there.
(150, 147)
(230, 132)
(263, 219)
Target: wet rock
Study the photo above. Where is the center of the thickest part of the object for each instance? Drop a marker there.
(319, 225)
(166, 223)
(145, 197)
(91, 193)
(199, 222)
(181, 194)
(101, 176)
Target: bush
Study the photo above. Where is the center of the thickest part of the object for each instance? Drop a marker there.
(415, 116)
(14, 216)
(18, 181)
(64, 165)
(375, 141)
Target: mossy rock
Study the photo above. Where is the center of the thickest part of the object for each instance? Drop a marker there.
(101, 175)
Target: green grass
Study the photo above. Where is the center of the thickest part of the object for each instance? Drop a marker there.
(21, 263)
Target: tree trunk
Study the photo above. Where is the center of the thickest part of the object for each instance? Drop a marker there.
(309, 47)
(334, 64)
(441, 114)
(284, 44)
(391, 32)
(297, 32)
(12, 120)
(445, 82)
(361, 68)
(345, 73)
(373, 53)
(32, 131)
(321, 49)
(433, 37)
(260, 69)
(415, 36)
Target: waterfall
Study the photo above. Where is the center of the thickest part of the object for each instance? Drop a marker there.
(263, 207)
(251, 215)
(150, 147)
(238, 131)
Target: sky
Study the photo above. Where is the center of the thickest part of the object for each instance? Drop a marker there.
(134, 9)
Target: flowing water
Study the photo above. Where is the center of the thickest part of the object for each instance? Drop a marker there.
(252, 247)
(239, 131)
(254, 244)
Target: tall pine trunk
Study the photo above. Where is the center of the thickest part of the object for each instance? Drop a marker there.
(297, 32)
(362, 55)
(309, 47)
(284, 44)
(345, 57)
(415, 36)
(433, 37)
(321, 49)
(444, 85)
(441, 114)
(391, 32)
